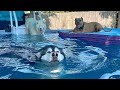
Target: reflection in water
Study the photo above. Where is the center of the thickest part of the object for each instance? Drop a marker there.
(28, 38)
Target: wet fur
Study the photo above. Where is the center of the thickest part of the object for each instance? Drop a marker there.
(43, 50)
(30, 54)
(32, 26)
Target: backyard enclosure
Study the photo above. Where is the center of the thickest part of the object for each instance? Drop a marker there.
(65, 20)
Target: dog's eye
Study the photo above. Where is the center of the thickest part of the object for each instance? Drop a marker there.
(57, 51)
(49, 52)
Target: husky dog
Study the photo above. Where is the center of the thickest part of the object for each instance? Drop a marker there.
(34, 27)
(82, 26)
(50, 53)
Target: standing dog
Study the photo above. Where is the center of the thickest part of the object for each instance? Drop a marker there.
(82, 26)
(34, 27)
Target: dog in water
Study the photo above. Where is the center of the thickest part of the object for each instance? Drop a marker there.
(34, 27)
(50, 53)
(82, 26)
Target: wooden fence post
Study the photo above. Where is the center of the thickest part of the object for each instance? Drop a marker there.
(118, 20)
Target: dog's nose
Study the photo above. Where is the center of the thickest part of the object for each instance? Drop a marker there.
(53, 54)
(56, 54)
(40, 29)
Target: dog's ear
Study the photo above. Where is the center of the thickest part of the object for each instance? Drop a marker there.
(64, 52)
(81, 18)
(75, 19)
(38, 54)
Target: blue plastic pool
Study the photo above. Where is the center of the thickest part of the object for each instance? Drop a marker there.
(86, 60)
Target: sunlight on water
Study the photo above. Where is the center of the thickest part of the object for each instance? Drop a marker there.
(111, 75)
(87, 60)
(6, 76)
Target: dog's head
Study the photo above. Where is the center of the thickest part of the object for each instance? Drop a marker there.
(50, 53)
(40, 26)
(79, 22)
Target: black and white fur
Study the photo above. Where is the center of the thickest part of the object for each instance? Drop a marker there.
(50, 53)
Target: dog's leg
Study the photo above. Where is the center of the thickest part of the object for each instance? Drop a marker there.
(75, 29)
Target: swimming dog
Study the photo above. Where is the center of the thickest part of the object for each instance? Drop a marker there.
(82, 26)
(50, 53)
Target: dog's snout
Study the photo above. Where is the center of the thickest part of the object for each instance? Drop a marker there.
(54, 54)
(41, 29)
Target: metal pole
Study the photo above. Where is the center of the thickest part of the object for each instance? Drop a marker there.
(16, 21)
(11, 20)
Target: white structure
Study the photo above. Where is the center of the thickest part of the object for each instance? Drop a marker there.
(20, 29)
(16, 29)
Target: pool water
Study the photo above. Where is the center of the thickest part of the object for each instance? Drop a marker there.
(85, 60)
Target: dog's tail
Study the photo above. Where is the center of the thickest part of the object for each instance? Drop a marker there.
(99, 27)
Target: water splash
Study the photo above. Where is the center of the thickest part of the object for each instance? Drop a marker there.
(79, 59)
